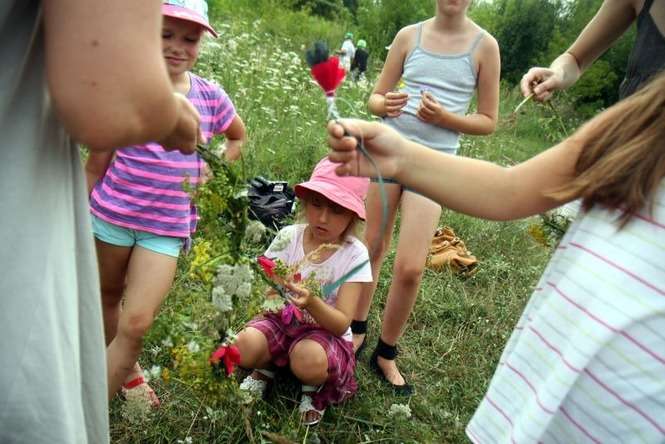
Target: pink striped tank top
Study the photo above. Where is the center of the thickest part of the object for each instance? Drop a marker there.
(143, 187)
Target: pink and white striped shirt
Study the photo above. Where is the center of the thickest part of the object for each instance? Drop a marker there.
(586, 362)
(143, 187)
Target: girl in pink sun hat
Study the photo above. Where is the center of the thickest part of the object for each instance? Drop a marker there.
(312, 334)
(141, 215)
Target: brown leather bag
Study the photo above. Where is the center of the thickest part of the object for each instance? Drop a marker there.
(448, 251)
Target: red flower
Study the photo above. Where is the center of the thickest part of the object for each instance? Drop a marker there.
(328, 75)
(227, 353)
(297, 277)
(268, 265)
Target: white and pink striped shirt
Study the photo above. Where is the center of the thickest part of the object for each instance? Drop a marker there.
(143, 187)
(586, 362)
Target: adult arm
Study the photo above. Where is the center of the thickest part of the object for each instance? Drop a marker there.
(610, 22)
(107, 77)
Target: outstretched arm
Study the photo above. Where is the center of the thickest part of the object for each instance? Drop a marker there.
(609, 23)
(470, 186)
(107, 77)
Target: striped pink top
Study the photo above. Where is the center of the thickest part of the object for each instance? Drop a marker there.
(143, 186)
(586, 361)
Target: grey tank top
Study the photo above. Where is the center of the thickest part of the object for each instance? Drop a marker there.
(52, 353)
(648, 54)
(452, 79)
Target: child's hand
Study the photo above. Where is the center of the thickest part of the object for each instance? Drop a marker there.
(301, 297)
(187, 132)
(394, 102)
(232, 150)
(430, 110)
(386, 146)
(541, 82)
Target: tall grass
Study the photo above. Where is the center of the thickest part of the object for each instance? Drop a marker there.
(458, 328)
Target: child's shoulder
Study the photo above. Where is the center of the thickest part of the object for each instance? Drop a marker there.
(205, 87)
(355, 246)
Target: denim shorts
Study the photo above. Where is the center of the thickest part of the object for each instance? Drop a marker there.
(127, 237)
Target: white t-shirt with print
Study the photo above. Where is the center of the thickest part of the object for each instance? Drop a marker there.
(288, 247)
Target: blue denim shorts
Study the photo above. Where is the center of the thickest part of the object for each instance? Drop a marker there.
(127, 237)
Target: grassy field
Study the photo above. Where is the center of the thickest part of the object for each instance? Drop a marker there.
(454, 337)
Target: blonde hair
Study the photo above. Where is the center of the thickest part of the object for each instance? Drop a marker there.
(622, 160)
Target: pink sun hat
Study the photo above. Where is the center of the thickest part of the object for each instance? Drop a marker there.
(346, 191)
(191, 10)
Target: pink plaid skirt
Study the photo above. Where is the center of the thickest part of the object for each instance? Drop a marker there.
(341, 383)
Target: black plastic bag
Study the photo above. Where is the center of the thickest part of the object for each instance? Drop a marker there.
(270, 202)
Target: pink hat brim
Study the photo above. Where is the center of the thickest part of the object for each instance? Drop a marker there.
(333, 193)
(185, 14)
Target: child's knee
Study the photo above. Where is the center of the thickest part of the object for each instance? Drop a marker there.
(408, 272)
(134, 326)
(309, 363)
(252, 345)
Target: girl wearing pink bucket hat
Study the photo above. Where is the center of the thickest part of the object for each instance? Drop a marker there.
(141, 215)
(311, 334)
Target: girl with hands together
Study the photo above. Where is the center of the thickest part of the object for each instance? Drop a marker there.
(441, 62)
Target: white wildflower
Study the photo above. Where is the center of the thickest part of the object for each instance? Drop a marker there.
(155, 372)
(155, 350)
(400, 410)
(244, 290)
(222, 300)
(168, 342)
(255, 232)
(193, 346)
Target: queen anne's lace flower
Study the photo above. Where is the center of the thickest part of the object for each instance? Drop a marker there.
(400, 410)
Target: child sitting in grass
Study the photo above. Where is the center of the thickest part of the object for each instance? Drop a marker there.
(312, 334)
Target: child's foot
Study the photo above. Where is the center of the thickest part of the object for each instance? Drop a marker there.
(256, 384)
(310, 415)
(138, 388)
(390, 371)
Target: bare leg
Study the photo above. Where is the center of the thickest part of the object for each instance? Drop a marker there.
(113, 262)
(253, 347)
(149, 278)
(309, 363)
(378, 243)
(420, 217)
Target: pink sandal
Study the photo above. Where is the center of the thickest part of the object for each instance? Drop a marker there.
(146, 391)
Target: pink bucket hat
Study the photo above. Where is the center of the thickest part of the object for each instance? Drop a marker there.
(348, 191)
(191, 10)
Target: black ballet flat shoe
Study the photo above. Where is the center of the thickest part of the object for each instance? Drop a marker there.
(388, 352)
(359, 328)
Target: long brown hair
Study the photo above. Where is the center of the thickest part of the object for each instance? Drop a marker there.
(622, 160)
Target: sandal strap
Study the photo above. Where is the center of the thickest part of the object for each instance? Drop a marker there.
(310, 388)
(306, 405)
(267, 373)
(386, 351)
(134, 383)
(359, 327)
